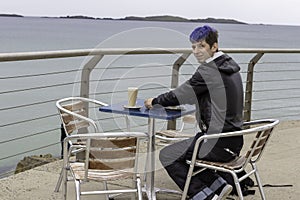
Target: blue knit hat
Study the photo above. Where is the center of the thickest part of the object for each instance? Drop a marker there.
(200, 33)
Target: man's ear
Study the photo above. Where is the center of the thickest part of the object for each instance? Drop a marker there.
(215, 47)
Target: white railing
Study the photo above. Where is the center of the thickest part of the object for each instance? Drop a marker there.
(28, 114)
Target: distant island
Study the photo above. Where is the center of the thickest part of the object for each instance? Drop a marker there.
(10, 15)
(168, 18)
(162, 18)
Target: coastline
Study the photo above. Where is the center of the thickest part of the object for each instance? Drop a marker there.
(162, 18)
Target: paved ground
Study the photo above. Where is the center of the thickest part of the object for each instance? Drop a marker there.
(279, 166)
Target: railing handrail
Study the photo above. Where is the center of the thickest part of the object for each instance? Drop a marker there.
(98, 54)
(4, 57)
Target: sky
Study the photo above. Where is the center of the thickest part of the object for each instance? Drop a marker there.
(250, 11)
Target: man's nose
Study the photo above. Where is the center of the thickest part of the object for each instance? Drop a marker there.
(196, 50)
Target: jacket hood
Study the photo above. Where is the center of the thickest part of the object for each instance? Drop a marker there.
(226, 64)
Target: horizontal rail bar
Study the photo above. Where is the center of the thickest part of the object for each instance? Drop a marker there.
(42, 74)
(276, 108)
(277, 80)
(30, 104)
(276, 89)
(4, 57)
(28, 120)
(276, 98)
(27, 136)
(85, 52)
(31, 150)
(40, 87)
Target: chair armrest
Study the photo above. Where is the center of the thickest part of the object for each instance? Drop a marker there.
(87, 136)
(90, 121)
(93, 101)
(104, 135)
(270, 123)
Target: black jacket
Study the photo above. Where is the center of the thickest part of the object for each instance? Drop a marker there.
(217, 91)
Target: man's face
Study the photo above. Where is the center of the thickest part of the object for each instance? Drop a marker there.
(202, 51)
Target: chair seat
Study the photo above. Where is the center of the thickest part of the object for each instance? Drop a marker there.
(234, 164)
(174, 134)
(79, 143)
(98, 175)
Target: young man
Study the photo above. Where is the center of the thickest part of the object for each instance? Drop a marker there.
(216, 90)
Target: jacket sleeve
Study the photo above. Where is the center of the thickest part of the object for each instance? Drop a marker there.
(186, 93)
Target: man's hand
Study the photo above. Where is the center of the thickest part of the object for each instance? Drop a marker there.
(148, 103)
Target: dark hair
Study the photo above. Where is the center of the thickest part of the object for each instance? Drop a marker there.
(212, 38)
(210, 35)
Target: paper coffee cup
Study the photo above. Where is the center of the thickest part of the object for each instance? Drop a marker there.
(132, 95)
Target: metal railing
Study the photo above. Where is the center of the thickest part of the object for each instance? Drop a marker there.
(28, 114)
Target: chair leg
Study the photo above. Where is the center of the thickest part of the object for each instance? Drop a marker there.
(59, 181)
(77, 188)
(134, 184)
(106, 188)
(262, 194)
(139, 188)
(65, 186)
(146, 164)
(237, 185)
(187, 182)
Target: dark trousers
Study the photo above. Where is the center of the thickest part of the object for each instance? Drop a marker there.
(174, 156)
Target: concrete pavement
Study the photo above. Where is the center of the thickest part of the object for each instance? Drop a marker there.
(279, 166)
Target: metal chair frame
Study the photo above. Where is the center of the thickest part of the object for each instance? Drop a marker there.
(97, 166)
(73, 113)
(262, 130)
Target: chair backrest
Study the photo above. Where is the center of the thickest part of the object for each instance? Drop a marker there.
(73, 113)
(262, 130)
(70, 121)
(189, 119)
(108, 156)
(113, 153)
(113, 156)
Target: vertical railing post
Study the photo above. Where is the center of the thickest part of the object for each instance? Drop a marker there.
(175, 80)
(85, 89)
(249, 86)
(85, 77)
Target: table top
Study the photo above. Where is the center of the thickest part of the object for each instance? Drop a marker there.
(157, 112)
